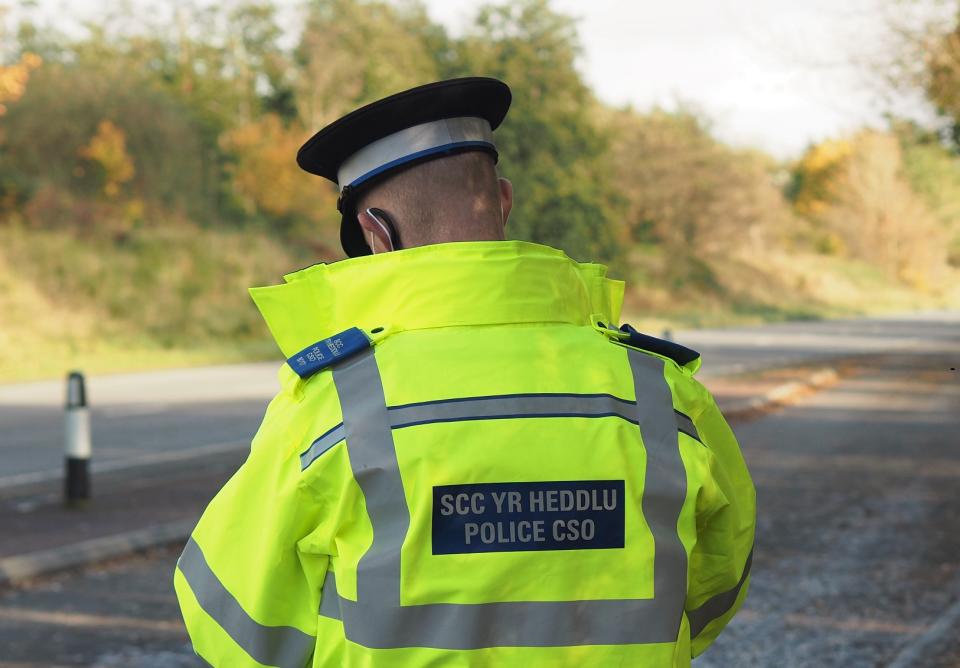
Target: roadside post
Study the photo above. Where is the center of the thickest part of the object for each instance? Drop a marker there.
(77, 444)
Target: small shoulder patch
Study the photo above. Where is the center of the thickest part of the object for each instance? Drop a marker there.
(679, 354)
(323, 353)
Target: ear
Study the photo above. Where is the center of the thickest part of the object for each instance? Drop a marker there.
(506, 198)
(375, 232)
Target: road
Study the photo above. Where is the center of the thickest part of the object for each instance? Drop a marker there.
(857, 561)
(147, 418)
(136, 419)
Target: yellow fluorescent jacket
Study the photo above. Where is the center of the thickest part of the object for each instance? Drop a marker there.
(498, 480)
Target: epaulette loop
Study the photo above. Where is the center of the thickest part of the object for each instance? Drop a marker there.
(678, 353)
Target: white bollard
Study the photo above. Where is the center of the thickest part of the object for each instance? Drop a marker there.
(77, 445)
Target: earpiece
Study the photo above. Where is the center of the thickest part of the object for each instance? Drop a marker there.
(383, 220)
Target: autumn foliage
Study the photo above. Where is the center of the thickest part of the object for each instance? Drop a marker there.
(121, 145)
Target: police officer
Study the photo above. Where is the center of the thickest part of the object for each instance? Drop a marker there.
(466, 465)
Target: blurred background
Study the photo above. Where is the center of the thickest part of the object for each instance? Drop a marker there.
(733, 161)
(778, 182)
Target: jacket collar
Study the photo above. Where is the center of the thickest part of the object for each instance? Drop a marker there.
(443, 285)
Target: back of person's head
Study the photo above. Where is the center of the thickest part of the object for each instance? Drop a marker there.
(453, 198)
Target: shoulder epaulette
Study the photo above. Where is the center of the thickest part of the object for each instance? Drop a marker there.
(679, 354)
(326, 352)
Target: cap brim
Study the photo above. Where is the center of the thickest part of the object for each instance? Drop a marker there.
(482, 97)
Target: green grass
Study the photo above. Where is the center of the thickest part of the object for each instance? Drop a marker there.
(160, 297)
(774, 288)
(48, 360)
(174, 296)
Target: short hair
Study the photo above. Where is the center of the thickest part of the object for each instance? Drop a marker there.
(453, 198)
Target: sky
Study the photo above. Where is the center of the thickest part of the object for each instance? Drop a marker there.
(771, 74)
(776, 75)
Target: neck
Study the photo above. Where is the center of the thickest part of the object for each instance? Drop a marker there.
(451, 230)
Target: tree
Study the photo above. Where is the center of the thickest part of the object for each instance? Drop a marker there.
(108, 149)
(940, 75)
(933, 171)
(60, 111)
(13, 79)
(353, 52)
(549, 145)
(867, 201)
(925, 57)
(687, 191)
(271, 185)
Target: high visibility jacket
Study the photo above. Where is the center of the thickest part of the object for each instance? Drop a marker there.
(485, 474)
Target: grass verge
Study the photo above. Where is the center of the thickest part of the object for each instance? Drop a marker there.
(175, 295)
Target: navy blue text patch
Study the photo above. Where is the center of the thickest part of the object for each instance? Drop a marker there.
(522, 516)
(324, 353)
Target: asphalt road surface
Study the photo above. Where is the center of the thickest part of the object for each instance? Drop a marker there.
(168, 416)
(857, 560)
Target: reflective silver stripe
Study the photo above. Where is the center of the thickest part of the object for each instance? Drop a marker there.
(718, 605)
(509, 406)
(499, 407)
(661, 502)
(329, 599)
(321, 445)
(375, 467)
(413, 140)
(685, 424)
(281, 646)
(521, 624)
(378, 620)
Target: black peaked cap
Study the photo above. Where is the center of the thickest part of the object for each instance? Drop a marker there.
(482, 97)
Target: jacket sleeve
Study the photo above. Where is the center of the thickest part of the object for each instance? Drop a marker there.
(248, 595)
(726, 519)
